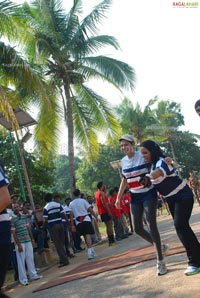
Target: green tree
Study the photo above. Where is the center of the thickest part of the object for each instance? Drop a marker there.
(41, 175)
(100, 169)
(21, 84)
(62, 175)
(187, 152)
(167, 121)
(68, 43)
(134, 119)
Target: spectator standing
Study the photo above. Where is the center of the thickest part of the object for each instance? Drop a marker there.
(53, 214)
(116, 214)
(125, 205)
(104, 211)
(65, 223)
(79, 210)
(5, 229)
(24, 242)
(75, 238)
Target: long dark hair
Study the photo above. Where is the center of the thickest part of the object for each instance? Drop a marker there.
(154, 149)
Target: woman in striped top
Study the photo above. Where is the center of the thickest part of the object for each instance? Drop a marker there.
(143, 198)
(179, 197)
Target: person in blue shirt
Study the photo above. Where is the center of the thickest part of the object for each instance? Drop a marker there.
(179, 197)
(5, 230)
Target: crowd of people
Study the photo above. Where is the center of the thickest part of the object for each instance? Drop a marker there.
(63, 222)
(148, 176)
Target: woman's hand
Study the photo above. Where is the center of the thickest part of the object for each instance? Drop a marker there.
(145, 181)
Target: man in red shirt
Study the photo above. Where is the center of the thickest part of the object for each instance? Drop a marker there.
(116, 216)
(125, 205)
(104, 211)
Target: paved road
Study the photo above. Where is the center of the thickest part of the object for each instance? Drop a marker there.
(138, 281)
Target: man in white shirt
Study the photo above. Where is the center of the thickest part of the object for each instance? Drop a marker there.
(79, 210)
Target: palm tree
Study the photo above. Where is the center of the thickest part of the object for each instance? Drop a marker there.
(68, 45)
(135, 120)
(168, 119)
(20, 84)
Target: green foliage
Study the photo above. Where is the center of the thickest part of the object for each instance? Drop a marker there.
(187, 153)
(41, 176)
(89, 173)
(62, 175)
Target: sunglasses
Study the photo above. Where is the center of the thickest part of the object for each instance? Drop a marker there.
(198, 110)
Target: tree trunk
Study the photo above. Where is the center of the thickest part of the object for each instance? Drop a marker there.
(70, 128)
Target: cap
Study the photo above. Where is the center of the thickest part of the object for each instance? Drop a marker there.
(128, 138)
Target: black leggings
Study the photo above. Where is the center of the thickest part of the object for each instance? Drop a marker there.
(149, 207)
(181, 210)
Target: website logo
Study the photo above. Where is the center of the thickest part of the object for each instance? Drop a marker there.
(185, 4)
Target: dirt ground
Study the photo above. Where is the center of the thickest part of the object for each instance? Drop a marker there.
(138, 281)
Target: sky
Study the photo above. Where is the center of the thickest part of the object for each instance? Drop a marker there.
(161, 42)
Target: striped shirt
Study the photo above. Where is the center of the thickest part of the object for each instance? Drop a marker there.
(170, 184)
(53, 212)
(20, 224)
(133, 169)
(5, 234)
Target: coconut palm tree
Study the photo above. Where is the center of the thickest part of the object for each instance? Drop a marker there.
(20, 83)
(68, 44)
(135, 120)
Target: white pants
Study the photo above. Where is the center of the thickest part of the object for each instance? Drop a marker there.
(25, 256)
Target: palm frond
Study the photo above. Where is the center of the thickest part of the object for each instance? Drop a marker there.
(91, 22)
(119, 73)
(7, 12)
(91, 111)
(46, 132)
(19, 73)
(94, 44)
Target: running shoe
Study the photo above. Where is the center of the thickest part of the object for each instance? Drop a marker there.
(161, 268)
(191, 270)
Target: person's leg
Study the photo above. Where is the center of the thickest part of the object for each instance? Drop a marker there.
(150, 207)
(181, 210)
(66, 238)
(5, 250)
(30, 260)
(21, 265)
(124, 225)
(130, 222)
(138, 210)
(39, 239)
(57, 236)
(14, 261)
(109, 231)
(96, 229)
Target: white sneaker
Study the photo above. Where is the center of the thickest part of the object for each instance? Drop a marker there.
(36, 277)
(94, 253)
(25, 283)
(191, 270)
(91, 256)
(161, 268)
(165, 247)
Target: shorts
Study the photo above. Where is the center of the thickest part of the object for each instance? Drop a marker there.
(85, 228)
(105, 217)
